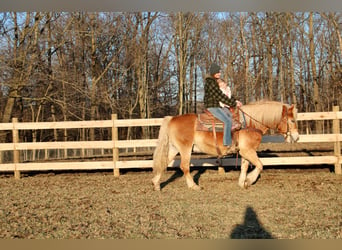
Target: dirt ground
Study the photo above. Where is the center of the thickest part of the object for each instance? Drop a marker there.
(292, 203)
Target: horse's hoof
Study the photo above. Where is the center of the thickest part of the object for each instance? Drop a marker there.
(195, 187)
(156, 186)
(246, 184)
(241, 183)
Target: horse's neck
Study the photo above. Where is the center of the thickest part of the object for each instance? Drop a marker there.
(250, 123)
(253, 120)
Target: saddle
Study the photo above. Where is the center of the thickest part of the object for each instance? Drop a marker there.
(208, 122)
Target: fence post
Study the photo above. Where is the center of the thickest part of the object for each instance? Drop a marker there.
(115, 137)
(16, 156)
(337, 144)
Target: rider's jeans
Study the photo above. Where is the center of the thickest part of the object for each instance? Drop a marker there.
(220, 114)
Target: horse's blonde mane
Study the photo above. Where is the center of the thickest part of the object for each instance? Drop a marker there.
(268, 113)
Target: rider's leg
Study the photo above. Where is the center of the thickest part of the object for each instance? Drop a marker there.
(220, 114)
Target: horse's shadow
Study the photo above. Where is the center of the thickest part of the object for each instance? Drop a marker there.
(200, 170)
(178, 174)
(251, 228)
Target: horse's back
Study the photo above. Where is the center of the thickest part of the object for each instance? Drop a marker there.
(202, 122)
(183, 121)
(188, 116)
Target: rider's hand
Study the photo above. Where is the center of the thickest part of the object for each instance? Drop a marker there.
(238, 104)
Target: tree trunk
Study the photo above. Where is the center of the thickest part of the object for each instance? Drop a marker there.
(93, 90)
(291, 69)
(269, 47)
(269, 70)
(181, 60)
(316, 96)
(245, 55)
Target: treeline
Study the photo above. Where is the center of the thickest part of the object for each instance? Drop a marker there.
(87, 66)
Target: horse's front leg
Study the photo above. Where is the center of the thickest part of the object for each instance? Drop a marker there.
(185, 166)
(253, 176)
(251, 156)
(243, 173)
(249, 140)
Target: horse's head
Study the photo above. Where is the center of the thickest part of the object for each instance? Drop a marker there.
(288, 124)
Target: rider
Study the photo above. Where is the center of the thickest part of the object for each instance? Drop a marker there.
(227, 91)
(212, 98)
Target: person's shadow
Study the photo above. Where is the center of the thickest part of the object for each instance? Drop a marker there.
(251, 228)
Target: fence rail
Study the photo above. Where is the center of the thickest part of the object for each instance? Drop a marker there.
(115, 144)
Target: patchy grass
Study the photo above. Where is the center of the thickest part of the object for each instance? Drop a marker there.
(284, 204)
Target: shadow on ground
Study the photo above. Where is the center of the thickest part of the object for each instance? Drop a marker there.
(251, 228)
(178, 174)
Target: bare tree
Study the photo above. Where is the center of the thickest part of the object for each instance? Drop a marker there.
(88, 65)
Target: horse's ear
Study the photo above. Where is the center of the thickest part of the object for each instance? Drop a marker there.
(291, 108)
(284, 111)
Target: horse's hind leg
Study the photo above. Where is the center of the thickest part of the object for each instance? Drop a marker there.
(155, 181)
(158, 173)
(185, 166)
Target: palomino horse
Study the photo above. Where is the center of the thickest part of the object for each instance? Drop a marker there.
(179, 134)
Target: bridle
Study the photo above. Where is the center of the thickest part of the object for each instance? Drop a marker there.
(286, 133)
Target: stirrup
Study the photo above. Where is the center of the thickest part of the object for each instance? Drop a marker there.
(232, 149)
(236, 126)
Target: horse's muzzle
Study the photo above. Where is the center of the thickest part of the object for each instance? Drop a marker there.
(292, 137)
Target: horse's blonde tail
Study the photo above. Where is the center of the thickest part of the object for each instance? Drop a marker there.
(161, 152)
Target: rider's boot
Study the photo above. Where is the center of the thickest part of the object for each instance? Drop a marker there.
(232, 149)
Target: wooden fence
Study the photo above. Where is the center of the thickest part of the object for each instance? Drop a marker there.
(116, 164)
